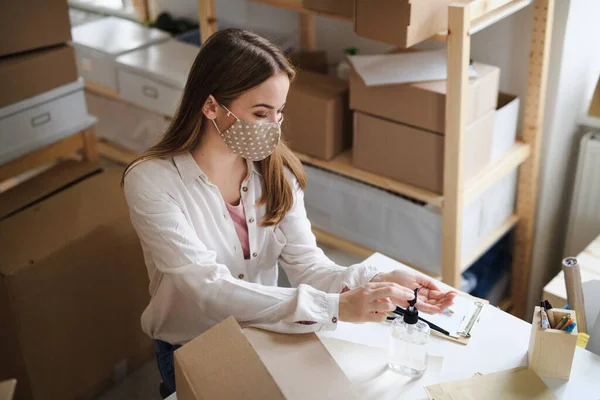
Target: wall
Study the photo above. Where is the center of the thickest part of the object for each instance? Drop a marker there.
(573, 69)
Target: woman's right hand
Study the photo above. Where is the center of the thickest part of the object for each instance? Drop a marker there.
(371, 301)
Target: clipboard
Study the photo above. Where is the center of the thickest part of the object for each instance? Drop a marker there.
(461, 324)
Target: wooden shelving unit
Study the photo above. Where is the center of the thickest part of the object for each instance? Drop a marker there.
(464, 19)
(294, 6)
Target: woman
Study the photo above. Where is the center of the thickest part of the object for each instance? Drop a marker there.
(219, 202)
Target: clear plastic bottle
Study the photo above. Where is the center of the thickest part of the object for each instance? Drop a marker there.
(408, 344)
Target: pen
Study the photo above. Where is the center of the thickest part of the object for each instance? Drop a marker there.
(400, 311)
(561, 322)
(544, 318)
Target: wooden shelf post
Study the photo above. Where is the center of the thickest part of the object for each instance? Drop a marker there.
(524, 278)
(307, 31)
(207, 18)
(459, 48)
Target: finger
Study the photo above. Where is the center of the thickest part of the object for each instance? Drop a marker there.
(382, 307)
(429, 308)
(393, 291)
(377, 285)
(372, 317)
(427, 282)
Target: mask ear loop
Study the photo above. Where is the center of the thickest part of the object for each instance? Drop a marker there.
(229, 113)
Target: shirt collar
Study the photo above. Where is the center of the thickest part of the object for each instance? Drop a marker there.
(189, 169)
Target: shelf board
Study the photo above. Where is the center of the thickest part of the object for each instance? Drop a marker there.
(115, 153)
(484, 18)
(342, 165)
(339, 243)
(489, 241)
(495, 171)
(295, 6)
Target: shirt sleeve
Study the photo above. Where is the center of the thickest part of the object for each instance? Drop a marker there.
(178, 252)
(305, 263)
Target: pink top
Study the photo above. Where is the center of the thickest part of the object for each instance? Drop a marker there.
(238, 216)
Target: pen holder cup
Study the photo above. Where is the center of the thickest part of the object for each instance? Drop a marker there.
(551, 351)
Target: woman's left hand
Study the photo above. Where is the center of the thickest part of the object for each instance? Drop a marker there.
(431, 298)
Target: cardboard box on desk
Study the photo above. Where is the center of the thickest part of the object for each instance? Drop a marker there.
(416, 156)
(33, 24)
(72, 284)
(26, 75)
(229, 363)
(423, 105)
(318, 121)
(342, 8)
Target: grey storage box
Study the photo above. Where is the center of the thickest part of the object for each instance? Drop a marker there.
(397, 226)
(98, 43)
(154, 77)
(128, 126)
(43, 119)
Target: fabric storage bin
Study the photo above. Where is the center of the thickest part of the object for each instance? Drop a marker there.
(396, 226)
(154, 77)
(98, 43)
(41, 120)
(126, 125)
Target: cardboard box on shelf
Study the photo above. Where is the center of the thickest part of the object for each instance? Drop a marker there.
(228, 362)
(404, 23)
(423, 105)
(29, 74)
(318, 121)
(73, 284)
(342, 8)
(33, 24)
(416, 156)
(314, 61)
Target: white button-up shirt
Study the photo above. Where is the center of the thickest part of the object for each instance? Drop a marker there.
(198, 274)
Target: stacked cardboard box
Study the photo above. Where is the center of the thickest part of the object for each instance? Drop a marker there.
(399, 129)
(34, 57)
(72, 284)
(318, 120)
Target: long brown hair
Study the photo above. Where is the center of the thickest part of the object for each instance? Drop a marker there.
(230, 63)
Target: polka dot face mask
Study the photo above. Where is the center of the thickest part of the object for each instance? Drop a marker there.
(251, 140)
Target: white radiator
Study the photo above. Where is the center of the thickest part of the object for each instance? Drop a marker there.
(584, 218)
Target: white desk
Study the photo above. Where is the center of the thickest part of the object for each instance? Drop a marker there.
(499, 342)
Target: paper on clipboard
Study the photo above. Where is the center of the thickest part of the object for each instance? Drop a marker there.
(410, 67)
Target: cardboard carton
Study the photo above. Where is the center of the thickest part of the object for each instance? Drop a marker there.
(29, 74)
(342, 8)
(314, 61)
(73, 284)
(229, 363)
(423, 105)
(415, 156)
(33, 24)
(318, 121)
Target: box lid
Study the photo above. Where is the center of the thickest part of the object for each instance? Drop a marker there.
(168, 62)
(481, 70)
(45, 97)
(227, 362)
(48, 225)
(115, 36)
(7, 389)
(321, 85)
(44, 185)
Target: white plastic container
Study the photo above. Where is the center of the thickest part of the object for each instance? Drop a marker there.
(98, 43)
(126, 125)
(43, 119)
(397, 226)
(154, 77)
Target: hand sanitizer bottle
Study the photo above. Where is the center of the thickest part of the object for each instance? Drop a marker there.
(408, 345)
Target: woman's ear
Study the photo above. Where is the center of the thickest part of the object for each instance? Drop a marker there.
(209, 109)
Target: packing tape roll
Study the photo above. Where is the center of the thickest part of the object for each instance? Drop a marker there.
(570, 266)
